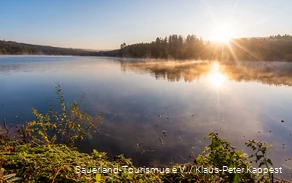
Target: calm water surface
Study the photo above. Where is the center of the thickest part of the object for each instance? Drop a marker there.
(141, 98)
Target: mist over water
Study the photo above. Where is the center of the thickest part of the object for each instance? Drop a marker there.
(142, 98)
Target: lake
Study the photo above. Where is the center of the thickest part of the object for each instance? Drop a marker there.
(141, 98)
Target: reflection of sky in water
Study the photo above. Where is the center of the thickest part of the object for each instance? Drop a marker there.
(238, 100)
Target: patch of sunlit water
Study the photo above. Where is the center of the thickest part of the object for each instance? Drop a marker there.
(215, 77)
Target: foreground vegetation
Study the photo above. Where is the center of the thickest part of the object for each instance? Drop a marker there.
(44, 150)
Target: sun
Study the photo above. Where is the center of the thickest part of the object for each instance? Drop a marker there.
(223, 33)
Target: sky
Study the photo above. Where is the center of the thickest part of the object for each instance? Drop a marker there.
(104, 25)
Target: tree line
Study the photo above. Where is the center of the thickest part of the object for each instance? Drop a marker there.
(273, 48)
(14, 48)
(174, 46)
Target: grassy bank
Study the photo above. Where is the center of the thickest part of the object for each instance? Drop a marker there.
(30, 162)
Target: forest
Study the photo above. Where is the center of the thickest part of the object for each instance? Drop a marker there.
(14, 48)
(273, 48)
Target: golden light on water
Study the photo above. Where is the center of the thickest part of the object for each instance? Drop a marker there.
(215, 77)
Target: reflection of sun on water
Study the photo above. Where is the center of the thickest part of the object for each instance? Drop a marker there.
(215, 77)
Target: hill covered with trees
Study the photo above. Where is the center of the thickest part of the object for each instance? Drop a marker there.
(15, 48)
(273, 48)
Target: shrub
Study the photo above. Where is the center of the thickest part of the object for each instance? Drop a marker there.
(68, 125)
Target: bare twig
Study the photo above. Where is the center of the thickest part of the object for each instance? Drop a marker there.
(5, 125)
(35, 143)
(57, 174)
(260, 178)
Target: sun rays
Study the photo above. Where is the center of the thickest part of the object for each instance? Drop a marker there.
(223, 33)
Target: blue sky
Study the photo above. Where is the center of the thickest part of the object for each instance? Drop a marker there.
(93, 24)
